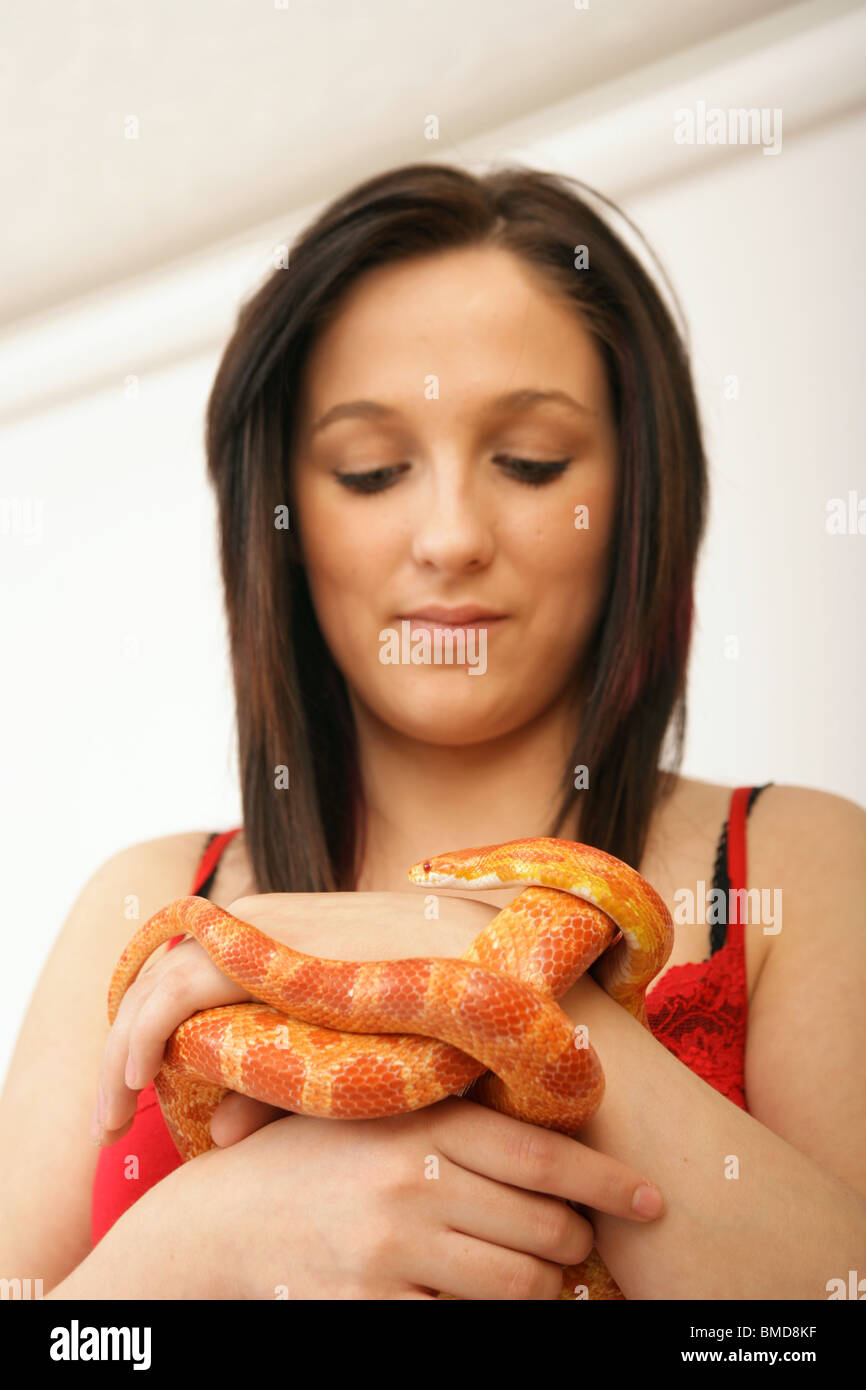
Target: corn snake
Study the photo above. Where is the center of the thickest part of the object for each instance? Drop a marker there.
(346, 1039)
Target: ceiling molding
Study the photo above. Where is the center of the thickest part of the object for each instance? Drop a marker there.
(807, 61)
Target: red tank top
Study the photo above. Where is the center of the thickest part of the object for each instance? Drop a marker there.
(698, 1011)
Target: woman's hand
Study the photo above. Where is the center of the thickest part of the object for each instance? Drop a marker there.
(183, 981)
(455, 1197)
(178, 984)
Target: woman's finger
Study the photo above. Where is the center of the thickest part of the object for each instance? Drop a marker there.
(238, 1116)
(112, 1110)
(468, 1268)
(193, 985)
(107, 1137)
(531, 1222)
(182, 983)
(541, 1160)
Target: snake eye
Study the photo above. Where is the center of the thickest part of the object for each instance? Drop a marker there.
(427, 866)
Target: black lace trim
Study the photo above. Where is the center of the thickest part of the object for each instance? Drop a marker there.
(719, 930)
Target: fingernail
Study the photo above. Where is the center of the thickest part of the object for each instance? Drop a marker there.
(130, 1074)
(647, 1200)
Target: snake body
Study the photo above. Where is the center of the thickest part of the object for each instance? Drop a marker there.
(359, 1040)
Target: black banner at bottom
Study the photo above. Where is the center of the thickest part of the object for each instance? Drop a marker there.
(66, 1338)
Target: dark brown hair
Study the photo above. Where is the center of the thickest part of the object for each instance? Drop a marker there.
(292, 706)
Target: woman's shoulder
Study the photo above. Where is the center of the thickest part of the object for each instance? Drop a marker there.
(781, 810)
(172, 859)
(170, 863)
(789, 830)
(801, 809)
(803, 840)
(143, 877)
(804, 848)
(805, 866)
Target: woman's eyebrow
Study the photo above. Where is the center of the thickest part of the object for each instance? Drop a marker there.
(515, 401)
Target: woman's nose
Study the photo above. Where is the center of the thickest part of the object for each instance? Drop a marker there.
(453, 531)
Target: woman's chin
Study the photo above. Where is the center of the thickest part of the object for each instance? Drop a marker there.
(450, 723)
(457, 734)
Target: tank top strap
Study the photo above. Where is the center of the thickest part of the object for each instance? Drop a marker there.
(737, 870)
(207, 867)
(730, 874)
(206, 870)
(742, 800)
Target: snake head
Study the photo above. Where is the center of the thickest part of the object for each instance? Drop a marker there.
(499, 866)
(458, 867)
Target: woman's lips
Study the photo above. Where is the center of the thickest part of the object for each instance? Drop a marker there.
(464, 615)
(433, 622)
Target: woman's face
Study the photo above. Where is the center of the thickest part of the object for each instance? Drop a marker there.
(410, 507)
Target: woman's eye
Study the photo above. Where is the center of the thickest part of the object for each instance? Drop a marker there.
(374, 481)
(535, 472)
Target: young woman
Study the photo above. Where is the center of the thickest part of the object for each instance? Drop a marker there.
(464, 407)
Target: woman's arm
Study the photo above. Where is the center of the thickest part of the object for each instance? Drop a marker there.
(47, 1159)
(770, 1204)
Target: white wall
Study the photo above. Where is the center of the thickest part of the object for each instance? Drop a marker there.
(766, 256)
(117, 706)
